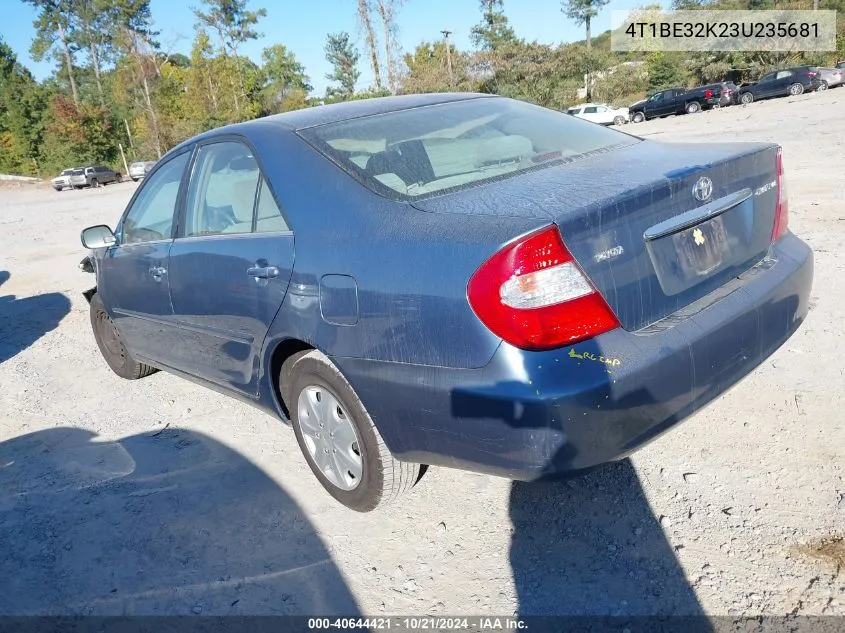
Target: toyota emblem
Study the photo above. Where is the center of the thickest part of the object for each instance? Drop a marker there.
(703, 189)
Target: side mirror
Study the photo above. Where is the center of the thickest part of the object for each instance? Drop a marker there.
(98, 236)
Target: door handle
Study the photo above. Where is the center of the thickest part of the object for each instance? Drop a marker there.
(263, 272)
(157, 272)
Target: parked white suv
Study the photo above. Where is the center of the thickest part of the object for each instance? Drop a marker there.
(600, 113)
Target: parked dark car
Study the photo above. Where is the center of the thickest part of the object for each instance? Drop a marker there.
(673, 101)
(780, 83)
(93, 176)
(726, 91)
(461, 291)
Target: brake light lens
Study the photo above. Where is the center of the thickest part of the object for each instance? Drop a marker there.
(533, 295)
(810, 73)
(782, 210)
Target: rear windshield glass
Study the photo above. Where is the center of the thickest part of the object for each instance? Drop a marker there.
(424, 151)
(77, 172)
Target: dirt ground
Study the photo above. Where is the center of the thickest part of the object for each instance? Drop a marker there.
(161, 497)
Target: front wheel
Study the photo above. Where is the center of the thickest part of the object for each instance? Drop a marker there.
(822, 87)
(619, 120)
(341, 444)
(796, 89)
(638, 117)
(746, 98)
(693, 107)
(111, 344)
(95, 183)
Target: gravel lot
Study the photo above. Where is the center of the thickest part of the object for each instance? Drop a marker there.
(161, 497)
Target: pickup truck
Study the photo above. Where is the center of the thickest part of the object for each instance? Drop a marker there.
(62, 180)
(674, 101)
(93, 176)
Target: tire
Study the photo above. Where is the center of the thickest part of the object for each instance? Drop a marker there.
(619, 120)
(310, 377)
(118, 178)
(822, 87)
(796, 89)
(112, 346)
(693, 107)
(746, 98)
(94, 183)
(134, 179)
(57, 188)
(638, 117)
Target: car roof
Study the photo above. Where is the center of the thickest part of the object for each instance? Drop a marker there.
(336, 112)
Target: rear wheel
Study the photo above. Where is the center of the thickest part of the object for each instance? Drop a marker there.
(341, 444)
(638, 117)
(796, 89)
(746, 98)
(112, 346)
(693, 107)
(619, 120)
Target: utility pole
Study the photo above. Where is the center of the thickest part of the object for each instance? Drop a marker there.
(446, 35)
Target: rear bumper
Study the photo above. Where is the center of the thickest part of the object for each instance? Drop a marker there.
(528, 415)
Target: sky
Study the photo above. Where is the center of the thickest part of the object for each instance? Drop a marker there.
(302, 25)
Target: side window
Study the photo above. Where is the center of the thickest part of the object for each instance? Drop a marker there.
(268, 218)
(657, 97)
(151, 215)
(601, 109)
(221, 197)
(590, 110)
(784, 74)
(767, 78)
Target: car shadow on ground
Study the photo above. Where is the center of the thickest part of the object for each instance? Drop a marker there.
(24, 321)
(169, 523)
(589, 545)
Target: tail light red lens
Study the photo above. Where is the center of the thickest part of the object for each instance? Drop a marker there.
(810, 74)
(533, 295)
(782, 212)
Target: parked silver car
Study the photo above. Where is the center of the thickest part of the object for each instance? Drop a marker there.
(139, 170)
(63, 179)
(93, 176)
(831, 77)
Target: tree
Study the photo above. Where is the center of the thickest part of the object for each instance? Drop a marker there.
(53, 36)
(428, 69)
(22, 108)
(582, 12)
(343, 56)
(234, 25)
(387, 12)
(494, 30)
(282, 76)
(370, 37)
(665, 70)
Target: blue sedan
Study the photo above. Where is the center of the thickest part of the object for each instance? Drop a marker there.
(457, 280)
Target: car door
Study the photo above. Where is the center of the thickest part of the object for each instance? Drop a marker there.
(229, 267)
(654, 104)
(132, 275)
(783, 79)
(589, 113)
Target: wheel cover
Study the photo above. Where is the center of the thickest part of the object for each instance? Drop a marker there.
(111, 338)
(330, 437)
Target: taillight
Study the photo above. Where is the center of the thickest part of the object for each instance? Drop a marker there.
(810, 73)
(782, 211)
(533, 294)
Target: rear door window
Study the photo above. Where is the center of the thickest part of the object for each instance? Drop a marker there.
(222, 194)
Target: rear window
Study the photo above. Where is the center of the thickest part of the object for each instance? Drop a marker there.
(410, 154)
(77, 172)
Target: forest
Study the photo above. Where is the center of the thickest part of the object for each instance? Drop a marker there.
(117, 85)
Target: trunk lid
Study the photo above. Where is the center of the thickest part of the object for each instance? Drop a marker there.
(631, 218)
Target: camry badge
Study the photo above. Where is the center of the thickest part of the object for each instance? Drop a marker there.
(703, 189)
